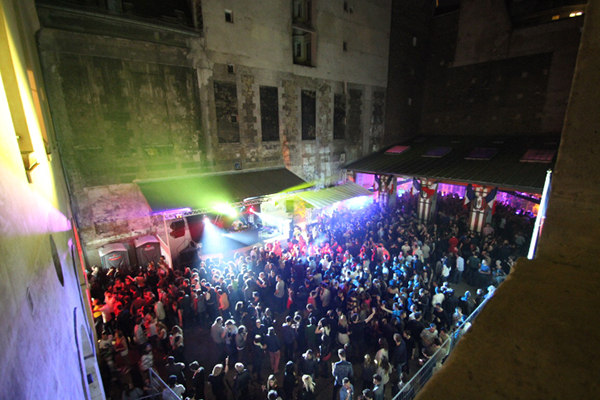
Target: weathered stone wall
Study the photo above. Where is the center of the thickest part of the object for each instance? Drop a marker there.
(126, 109)
(503, 82)
(122, 110)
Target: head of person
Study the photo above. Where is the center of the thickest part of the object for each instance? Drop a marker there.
(377, 379)
(308, 383)
(217, 369)
(346, 383)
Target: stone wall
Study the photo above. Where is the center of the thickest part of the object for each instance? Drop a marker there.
(505, 82)
(126, 109)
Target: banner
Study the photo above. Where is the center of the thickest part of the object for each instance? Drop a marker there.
(428, 189)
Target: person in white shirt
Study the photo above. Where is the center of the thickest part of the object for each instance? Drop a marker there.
(460, 267)
(438, 297)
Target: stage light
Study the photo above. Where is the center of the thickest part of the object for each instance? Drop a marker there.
(206, 219)
(226, 209)
(251, 210)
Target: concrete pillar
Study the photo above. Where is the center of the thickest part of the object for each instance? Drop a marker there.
(568, 236)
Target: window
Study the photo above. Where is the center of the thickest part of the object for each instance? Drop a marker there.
(414, 41)
(339, 116)
(309, 115)
(437, 152)
(303, 51)
(226, 109)
(397, 150)
(303, 33)
(269, 113)
(482, 153)
(345, 46)
(298, 47)
(230, 69)
(538, 155)
(303, 12)
(229, 16)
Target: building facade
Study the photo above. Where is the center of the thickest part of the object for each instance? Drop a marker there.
(209, 86)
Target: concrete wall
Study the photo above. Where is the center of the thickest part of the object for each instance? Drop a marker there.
(483, 77)
(409, 46)
(187, 102)
(46, 334)
(261, 37)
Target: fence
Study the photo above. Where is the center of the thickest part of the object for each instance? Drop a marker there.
(410, 389)
(158, 389)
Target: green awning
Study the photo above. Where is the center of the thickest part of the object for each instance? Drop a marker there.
(206, 191)
(326, 197)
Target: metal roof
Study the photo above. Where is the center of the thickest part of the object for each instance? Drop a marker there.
(207, 190)
(504, 169)
(326, 197)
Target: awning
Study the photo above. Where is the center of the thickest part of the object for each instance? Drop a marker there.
(206, 191)
(517, 162)
(326, 197)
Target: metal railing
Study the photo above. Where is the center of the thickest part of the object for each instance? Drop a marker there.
(409, 390)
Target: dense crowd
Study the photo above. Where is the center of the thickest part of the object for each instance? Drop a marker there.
(360, 297)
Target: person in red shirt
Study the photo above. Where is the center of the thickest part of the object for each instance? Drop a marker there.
(452, 244)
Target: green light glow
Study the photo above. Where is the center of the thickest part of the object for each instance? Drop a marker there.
(226, 209)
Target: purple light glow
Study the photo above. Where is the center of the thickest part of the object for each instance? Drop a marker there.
(174, 211)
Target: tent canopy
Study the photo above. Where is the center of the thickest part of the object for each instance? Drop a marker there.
(208, 190)
(517, 162)
(326, 197)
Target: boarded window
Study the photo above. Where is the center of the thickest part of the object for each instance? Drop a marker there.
(228, 129)
(354, 121)
(269, 113)
(309, 115)
(339, 116)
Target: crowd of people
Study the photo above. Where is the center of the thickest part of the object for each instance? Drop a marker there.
(361, 298)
